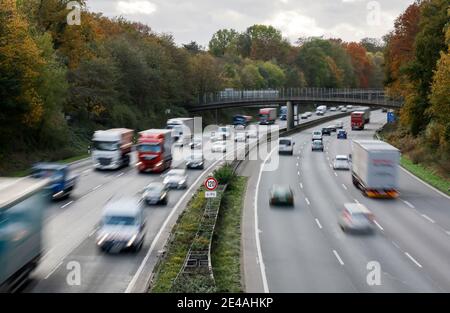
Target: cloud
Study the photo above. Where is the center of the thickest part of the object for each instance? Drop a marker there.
(135, 7)
(294, 24)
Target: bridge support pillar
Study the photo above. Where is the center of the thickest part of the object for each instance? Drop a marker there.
(290, 115)
(298, 113)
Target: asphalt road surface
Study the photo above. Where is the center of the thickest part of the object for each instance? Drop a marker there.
(302, 249)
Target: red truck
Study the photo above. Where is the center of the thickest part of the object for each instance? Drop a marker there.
(154, 150)
(358, 120)
(267, 116)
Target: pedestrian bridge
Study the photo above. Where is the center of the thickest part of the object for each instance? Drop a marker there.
(232, 98)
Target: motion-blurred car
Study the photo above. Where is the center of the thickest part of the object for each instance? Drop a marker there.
(281, 195)
(195, 161)
(196, 143)
(339, 124)
(309, 114)
(344, 109)
(333, 109)
(317, 145)
(219, 146)
(225, 132)
(317, 135)
(326, 131)
(304, 116)
(62, 180)
(320, 113)
(341, 162)
(176, 179)
(332, 128)
(340, 107)
(384, 110)
(349, 107)
(156, 193)
(240, 137)
(286, 145)
(341, 134)
(122, 226)
(356, 217)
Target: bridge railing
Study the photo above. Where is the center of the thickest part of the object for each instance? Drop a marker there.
(369, 96)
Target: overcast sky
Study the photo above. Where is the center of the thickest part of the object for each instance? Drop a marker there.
(197, 20)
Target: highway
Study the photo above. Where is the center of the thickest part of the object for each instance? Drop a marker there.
(70, 230)
(302, 249)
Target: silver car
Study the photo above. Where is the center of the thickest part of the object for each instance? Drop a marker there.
(357, 218)
(156, 193)
(122, 226)
(286, 145)
(341, 162)
(176, 179)
(219, 146)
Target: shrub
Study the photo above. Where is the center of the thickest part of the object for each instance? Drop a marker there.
(224, 174)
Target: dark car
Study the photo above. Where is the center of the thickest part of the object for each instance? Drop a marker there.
(155, 193)
(281, 195)
(332, 128)
(384, 110)
(63, 181)
(341, 134)
(326, 131)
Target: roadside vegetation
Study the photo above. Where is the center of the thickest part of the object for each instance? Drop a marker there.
(417, 68)
(225, 252)
(226, 248)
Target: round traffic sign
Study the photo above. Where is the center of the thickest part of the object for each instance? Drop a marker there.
(211, 183)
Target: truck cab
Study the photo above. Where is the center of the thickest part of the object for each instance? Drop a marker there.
(357, 120)
(112, 148)
(154, 150)
(62, 181)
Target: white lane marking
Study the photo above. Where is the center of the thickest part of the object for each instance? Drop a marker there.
(429, 219)
(257, 234)
(328, 158)
(121, 174)
(298, 173)
(66, 205)
(96, 187)
(93, 232)
(448, 232)
(301, 185)
(296, 164)
(408, 204)
(86, 171)
(338, 257)
(298, 158)
(425, 183)
(335, 174)
(318, 223)
(53, 270)
(331, 166)
(356, 200)
(307, 201)
(412, 259)
(164, 225)
(395, 244)
(378, 225)
(343, 186)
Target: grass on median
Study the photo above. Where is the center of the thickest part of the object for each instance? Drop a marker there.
(183, 234)
(427, 175)
(226, 246)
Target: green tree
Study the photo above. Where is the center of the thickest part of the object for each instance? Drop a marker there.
(223, 41)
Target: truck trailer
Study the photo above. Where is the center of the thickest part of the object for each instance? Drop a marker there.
(357, 120)
(375, 168)
(267, 116)
(154, 150)
(22, 201)
(112, 148)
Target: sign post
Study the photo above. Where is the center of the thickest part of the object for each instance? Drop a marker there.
(211, 185)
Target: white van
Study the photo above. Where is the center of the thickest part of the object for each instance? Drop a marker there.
(286, 145)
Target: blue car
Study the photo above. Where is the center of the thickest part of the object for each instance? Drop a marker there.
(62, 181)
(341, 134)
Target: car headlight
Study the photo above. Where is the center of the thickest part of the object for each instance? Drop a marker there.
(131, 241)
(163, 196)
(160, 163)
(102, 239)
(182, 182)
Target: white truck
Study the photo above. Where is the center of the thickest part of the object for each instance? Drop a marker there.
(182, 130)
(112, 148)
(375, 168)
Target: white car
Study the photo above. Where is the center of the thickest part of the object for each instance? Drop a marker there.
(240, 137)
(286, 145)
(176, 179)
(309, 114)
(339, 124)
(219, 146)
(224, 131)
(344, 109)
(333, 109)
(304, 116)
(317, 135)
(341, 162)
(349, 107)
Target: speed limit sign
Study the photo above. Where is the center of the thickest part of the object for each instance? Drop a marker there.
(211, 184)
